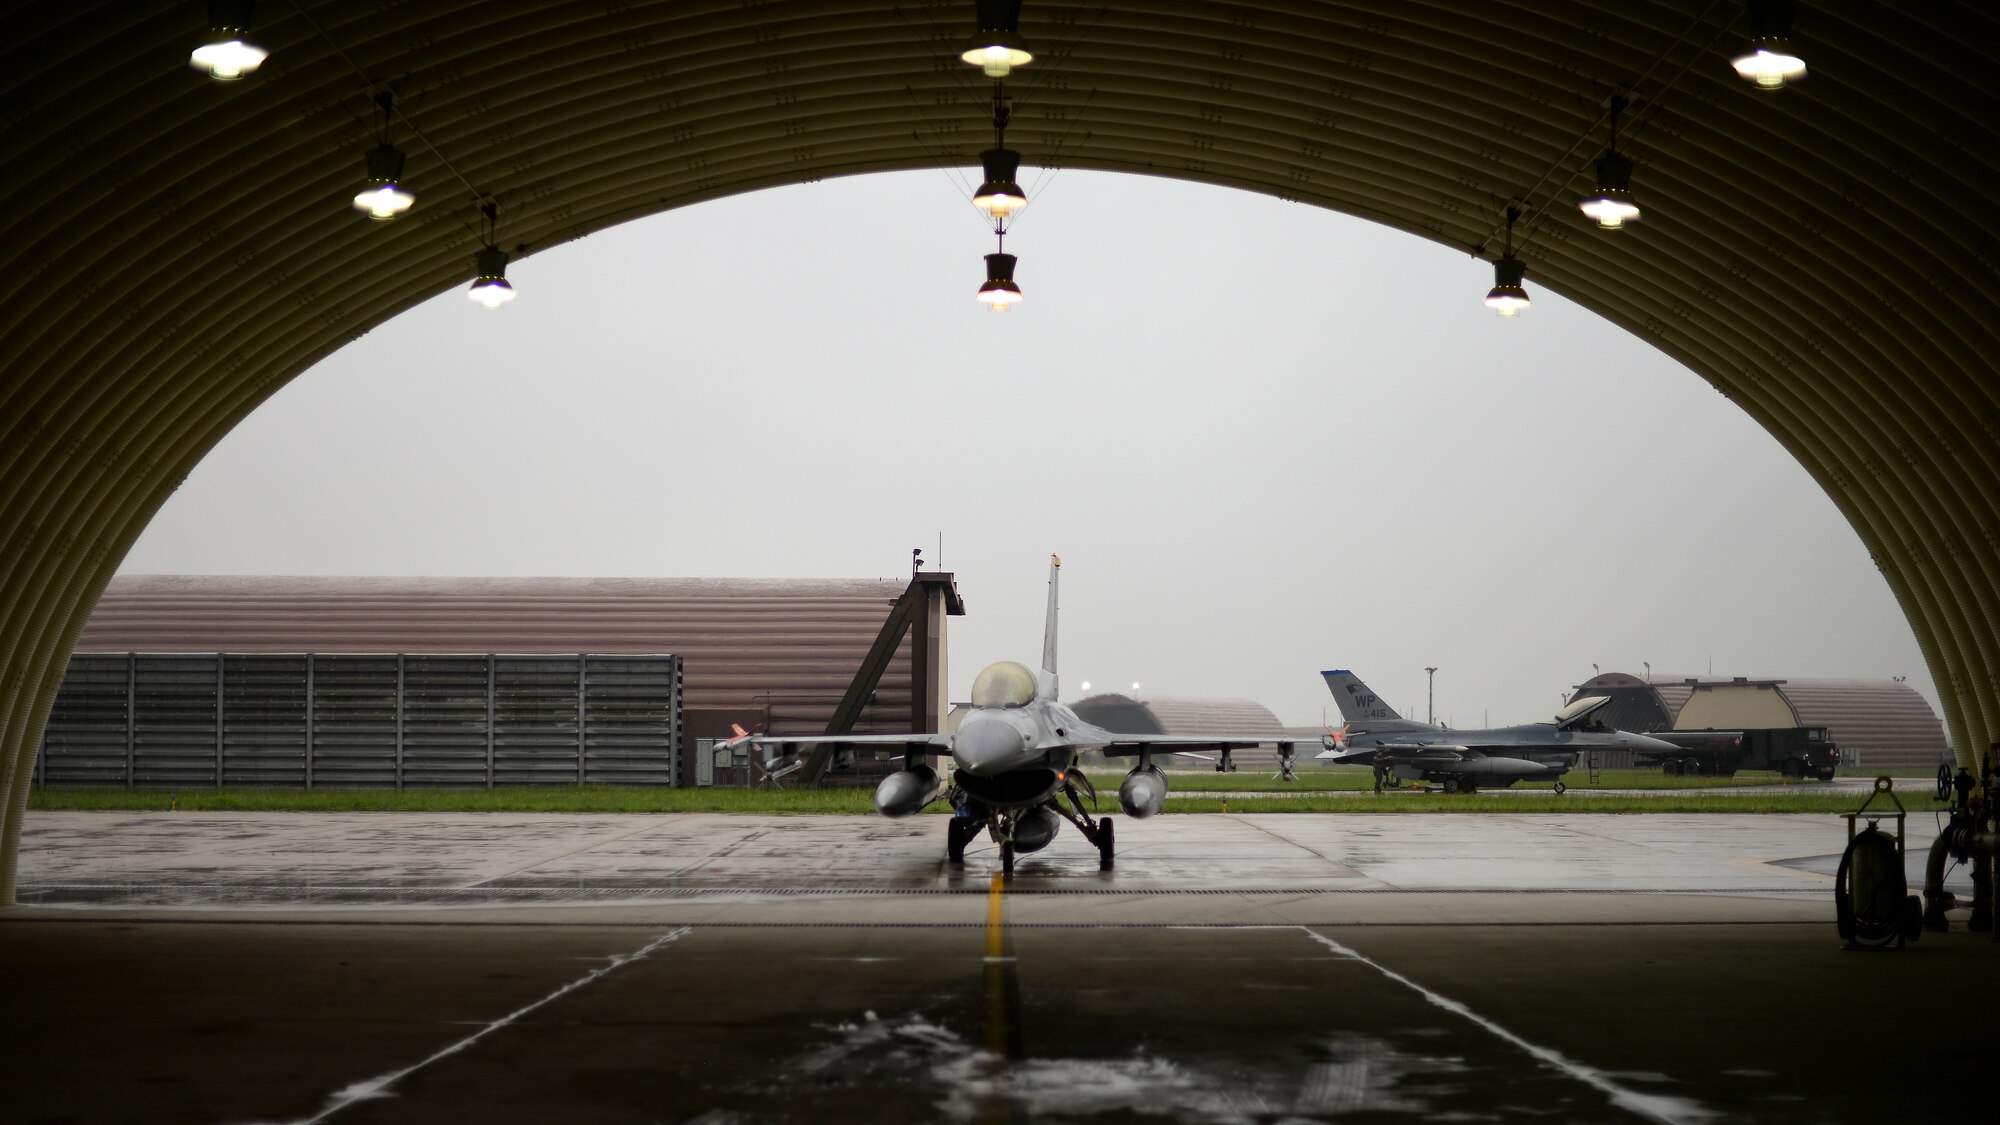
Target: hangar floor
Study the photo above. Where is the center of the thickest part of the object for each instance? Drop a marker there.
(731, 969)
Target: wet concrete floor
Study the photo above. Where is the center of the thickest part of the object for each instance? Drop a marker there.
(770, 969)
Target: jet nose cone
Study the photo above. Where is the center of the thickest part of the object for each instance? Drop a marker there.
(988, 746)
(1652, 745)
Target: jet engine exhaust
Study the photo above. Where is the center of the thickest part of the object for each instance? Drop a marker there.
(1035, 828)
(1143, 792)
(906, 792)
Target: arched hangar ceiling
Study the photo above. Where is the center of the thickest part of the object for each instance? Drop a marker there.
(176, 249)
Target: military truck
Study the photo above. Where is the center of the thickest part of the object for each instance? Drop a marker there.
(1795, 752)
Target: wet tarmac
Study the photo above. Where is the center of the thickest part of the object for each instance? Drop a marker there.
(726, 969)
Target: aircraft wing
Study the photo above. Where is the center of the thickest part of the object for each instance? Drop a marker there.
(1131, 745)
(936, 742)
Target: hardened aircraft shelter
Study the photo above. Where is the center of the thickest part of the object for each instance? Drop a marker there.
(176, 249)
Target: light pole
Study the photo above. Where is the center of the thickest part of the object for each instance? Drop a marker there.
(1430, 700)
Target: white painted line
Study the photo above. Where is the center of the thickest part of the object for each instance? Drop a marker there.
(379, 1086)
(1663, 1108)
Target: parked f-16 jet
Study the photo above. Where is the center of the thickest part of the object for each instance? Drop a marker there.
(1014, 759)
(1463, 761)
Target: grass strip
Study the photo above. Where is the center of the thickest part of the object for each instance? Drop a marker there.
(1390, 803)
(1337, 779)
(1352, 779)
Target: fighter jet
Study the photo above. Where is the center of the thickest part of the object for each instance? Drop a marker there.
(1013, 757)
(1466, 760)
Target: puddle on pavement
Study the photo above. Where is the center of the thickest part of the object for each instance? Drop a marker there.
(918, 1053)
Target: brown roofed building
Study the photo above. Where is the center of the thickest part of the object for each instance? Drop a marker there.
(772, 654)
(1882, 722)
(750, 646)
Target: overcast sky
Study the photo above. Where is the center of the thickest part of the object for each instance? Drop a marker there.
(1267, 439)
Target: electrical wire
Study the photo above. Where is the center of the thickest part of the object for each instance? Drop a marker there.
(373, 87)
(1526, 199)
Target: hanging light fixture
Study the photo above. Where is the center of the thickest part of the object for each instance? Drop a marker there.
(1507, 297)
(1000, 293)
(998, 48)
(1611, 207)
(490, 287)
(224, 53)
(384, 196)
(1000, 195)
(1768, 60)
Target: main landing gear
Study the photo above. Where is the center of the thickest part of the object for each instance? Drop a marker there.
(958, 832)
(1096, 830)
(970, 818)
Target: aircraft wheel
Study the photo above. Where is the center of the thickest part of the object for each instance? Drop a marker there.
(1451, 785)
(954, 841)
(1561, 788)
(1007, 857)
(1106, 844)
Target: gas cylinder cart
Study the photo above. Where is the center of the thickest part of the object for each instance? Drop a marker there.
(1871, 891)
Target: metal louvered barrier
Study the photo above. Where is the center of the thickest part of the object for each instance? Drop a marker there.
(155, 720)
(626, 719)
(90, 728)
(176, 736)
(537, 711)
(356, 722)
(264, 720)
(447, 712)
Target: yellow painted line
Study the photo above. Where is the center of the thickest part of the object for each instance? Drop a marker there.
(996, 970)
(996, 928)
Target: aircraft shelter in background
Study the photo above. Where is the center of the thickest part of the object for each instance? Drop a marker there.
(1876, 723)
(178, 250)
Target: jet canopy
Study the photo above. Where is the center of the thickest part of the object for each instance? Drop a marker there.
(1577, 709)
(1006, 684)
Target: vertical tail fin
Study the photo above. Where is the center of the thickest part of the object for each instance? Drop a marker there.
(1048, 684)
(1356, 702)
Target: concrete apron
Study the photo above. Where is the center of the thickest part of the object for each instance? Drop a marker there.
(765, 999)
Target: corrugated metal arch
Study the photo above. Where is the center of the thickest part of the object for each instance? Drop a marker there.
(176, 250)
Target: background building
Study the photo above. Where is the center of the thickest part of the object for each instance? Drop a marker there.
(779, 653)
(1875, 722)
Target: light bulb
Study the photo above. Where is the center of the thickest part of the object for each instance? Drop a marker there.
(491, 291)
(227, 59)
(1608, 211)
(384, 201)
(1769, 69)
